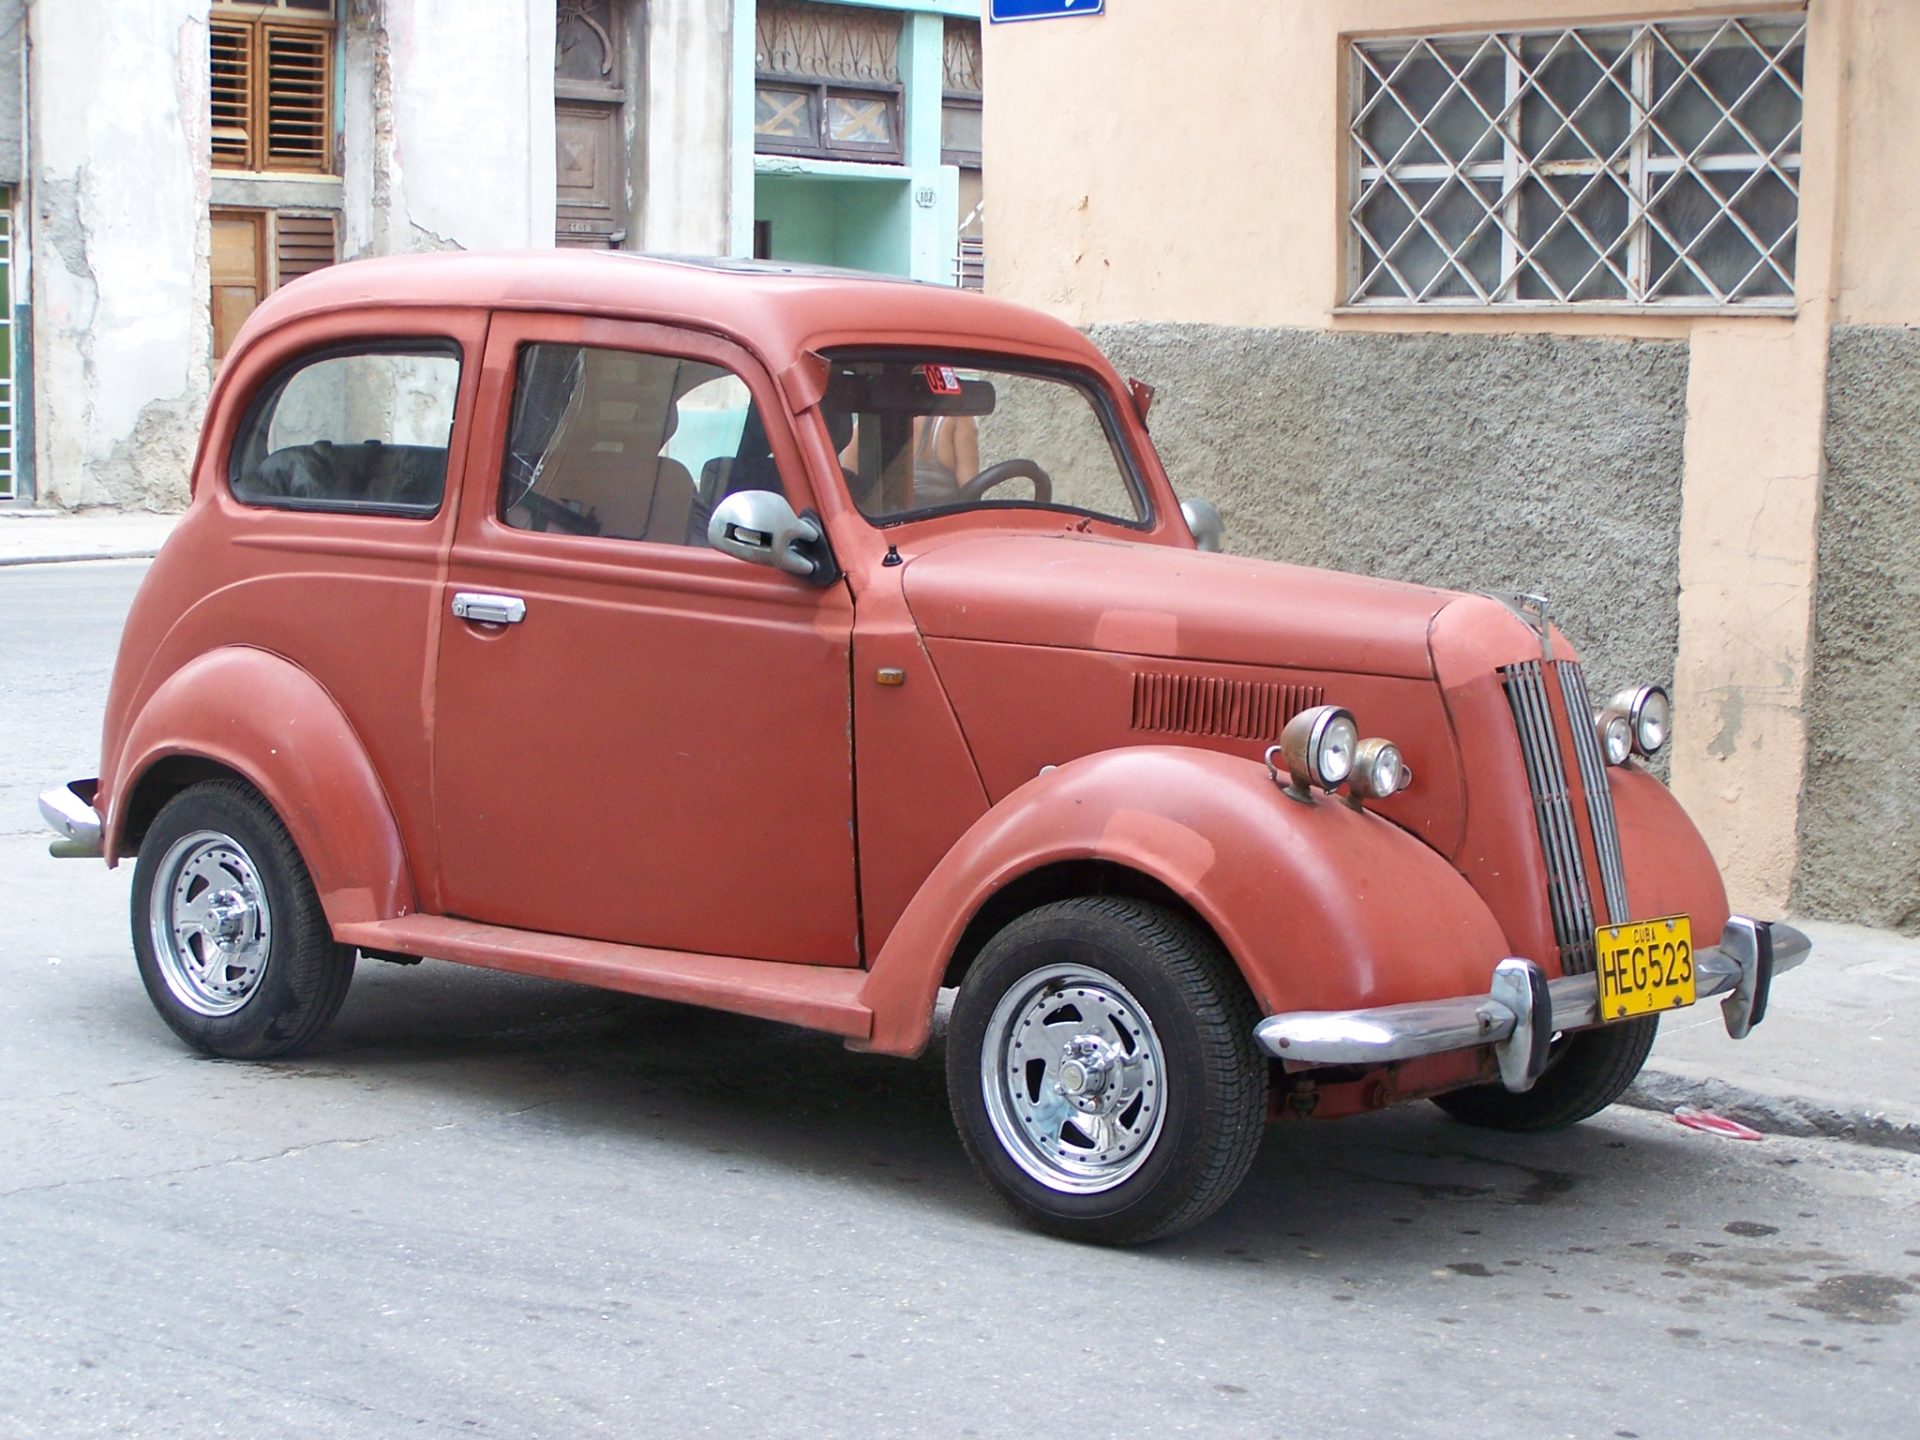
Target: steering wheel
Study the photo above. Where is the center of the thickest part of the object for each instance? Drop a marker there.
(999, 474)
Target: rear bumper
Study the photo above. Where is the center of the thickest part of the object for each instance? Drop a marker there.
(69, 813)
(1523, 1010)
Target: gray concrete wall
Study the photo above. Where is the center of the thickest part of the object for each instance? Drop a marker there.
(13, 36)
(1860, 812)
(1482, 462)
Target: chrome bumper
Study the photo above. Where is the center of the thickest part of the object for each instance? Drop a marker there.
(69, 813)
(1523, 1010)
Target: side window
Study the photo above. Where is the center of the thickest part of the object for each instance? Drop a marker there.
(629, 445)
(361, 430)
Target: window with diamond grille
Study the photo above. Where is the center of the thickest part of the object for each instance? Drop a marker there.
(827, 81)
(272, 85)
(1644, 164)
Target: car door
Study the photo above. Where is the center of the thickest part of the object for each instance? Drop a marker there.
(637, 738)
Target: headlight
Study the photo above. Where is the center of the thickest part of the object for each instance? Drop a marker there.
(1649, 717)
(1317, 747)
(1616, 735)
(1652, 719)
(1377, 770)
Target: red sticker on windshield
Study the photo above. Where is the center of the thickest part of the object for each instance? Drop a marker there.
(941, 379)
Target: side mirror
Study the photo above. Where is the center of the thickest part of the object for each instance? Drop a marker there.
(760, 526)
(1203, 519)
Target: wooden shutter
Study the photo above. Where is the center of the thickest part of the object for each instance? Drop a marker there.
(299, 65)
(303, 244)
(232, 76)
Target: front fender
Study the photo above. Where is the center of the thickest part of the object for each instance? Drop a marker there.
(268, 720)
(1669, 869)
(1321, 906)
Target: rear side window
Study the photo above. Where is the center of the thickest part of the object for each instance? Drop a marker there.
(352, 430)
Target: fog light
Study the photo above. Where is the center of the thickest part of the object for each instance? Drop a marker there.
(1616, 735)
(1377, 770)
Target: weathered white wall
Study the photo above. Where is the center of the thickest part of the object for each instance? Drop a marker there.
(682, 186)
(118, 181)
(448, 126)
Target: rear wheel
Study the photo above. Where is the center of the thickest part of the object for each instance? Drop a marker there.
(1589, 1071)
(227, 930)
(1103, 1072)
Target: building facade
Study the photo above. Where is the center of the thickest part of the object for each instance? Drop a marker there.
(1611, 303)
(166, 164)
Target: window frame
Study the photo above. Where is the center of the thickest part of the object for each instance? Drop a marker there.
(260, 407)
(1649, 179)
(821, 146)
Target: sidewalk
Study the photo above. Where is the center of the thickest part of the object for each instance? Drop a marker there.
(1838, 1053)
(38, 537)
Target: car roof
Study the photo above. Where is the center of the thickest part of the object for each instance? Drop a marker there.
(775, 308)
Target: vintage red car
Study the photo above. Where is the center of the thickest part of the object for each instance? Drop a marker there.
(804, 645)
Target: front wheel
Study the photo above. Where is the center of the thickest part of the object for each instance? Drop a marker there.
(227, 930)
(1589, 1071)
(1102, 1070)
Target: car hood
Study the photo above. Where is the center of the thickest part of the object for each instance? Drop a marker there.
(1084, 593)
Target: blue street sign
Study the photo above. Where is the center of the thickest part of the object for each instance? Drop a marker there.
(1002, 10)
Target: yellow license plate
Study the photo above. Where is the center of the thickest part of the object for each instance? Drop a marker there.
(1644, 967)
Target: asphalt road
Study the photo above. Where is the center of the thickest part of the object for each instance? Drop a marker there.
(485, 1205)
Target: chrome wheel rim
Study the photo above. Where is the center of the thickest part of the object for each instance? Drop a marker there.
(1074, 1079)
(210, 923)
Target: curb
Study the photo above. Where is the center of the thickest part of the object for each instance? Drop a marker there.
(1805, 1116)
(67, 559)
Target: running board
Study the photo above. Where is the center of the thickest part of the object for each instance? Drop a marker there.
(818, 997)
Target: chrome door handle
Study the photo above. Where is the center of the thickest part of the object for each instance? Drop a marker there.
(489, 609)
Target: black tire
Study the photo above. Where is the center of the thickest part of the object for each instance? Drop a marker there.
(286, 978)
(1592, 1070)
(1112, 968)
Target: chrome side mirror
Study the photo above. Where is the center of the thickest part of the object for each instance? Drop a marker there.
(1203, 519)
(760, 526)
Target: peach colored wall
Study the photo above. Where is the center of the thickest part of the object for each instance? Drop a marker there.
(1186, 162)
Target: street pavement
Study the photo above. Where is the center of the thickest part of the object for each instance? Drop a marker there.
(490, 1205)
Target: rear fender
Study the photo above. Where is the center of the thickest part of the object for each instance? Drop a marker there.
(270, 722)
(1322, 907)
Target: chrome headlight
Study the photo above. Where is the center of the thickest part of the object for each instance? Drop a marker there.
(1378, 770)
(1649, 717)
(1317, 747)
(1616, 735)
(1652, 716)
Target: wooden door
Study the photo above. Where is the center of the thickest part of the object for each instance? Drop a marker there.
(239, 272)
(590, 173)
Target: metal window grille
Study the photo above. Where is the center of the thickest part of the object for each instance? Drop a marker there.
(1648, 164)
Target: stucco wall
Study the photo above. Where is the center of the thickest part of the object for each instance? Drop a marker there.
(1860, 816)
(1485, 462)
(119, 185)
(448, 145)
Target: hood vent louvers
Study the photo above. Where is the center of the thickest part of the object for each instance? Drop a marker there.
(1212, 705)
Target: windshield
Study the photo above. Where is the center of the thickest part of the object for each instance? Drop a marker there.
(922, 433)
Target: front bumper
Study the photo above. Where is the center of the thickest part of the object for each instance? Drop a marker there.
(1523, 1010)
(68, 811)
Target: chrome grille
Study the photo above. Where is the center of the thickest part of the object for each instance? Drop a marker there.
(1568, 897)
(1593, 779)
